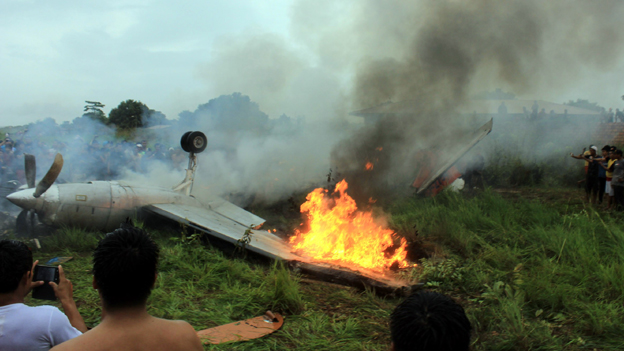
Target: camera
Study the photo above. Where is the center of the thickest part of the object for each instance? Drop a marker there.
(47, 274)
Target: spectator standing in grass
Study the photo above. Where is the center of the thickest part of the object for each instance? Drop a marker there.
(609, 175)
(32, 328)
(617, 182)
(429, 321)
(602, 172)
(592, 171)
(124, 273)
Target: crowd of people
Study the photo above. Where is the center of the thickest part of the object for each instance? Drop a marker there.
(92, 160)
(604, 176)
(124, 273)
(612, 117)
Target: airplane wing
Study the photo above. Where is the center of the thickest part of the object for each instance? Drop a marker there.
(233, 212)
(220, 226)
(460, 149)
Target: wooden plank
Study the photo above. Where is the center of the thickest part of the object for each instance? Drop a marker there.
(339, 275)
(248, 329)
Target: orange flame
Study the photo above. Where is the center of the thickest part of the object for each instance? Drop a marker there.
(342, 235)
(369, 165)
(379, 148)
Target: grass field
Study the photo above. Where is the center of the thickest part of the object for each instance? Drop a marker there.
(534, 268)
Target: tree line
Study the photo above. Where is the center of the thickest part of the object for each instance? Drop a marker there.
(128, 114)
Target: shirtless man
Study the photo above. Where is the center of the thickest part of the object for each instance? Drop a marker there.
(124, 273)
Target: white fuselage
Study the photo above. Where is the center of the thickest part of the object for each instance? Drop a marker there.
(100, 205)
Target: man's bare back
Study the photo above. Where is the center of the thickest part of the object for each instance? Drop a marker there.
(136, 333)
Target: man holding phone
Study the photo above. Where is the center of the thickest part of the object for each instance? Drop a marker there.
(32, 328)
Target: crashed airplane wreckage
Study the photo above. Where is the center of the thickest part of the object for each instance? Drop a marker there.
(103, 205)
(439, 172)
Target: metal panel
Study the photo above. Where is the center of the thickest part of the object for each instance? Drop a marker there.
(84, 204)
(123, 206)
(233, 212)
(214, 224)
(467, 144)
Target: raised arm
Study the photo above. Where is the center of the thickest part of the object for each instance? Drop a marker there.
(64, 291)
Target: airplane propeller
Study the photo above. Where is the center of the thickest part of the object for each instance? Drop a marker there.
(26, 219)
(30, 168)
(46, 182)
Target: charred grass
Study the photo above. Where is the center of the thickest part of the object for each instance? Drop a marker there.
(535, 269)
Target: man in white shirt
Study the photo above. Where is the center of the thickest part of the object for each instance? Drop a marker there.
(32, 328)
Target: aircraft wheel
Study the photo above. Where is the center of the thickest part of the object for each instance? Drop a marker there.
(183, 142)
(196, 142)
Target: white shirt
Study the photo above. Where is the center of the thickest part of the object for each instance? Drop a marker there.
(27, 328)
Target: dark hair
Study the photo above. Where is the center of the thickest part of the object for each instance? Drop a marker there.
(429, 321)
(606, 148)
(618, 152)
(15, 260)
(124, 267)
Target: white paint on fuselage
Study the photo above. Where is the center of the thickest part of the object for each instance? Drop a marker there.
(101, 205)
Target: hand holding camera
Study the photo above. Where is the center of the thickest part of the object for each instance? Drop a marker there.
(50, 283)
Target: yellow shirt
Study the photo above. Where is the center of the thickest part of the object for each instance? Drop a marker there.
(610, 174)
(586, 153)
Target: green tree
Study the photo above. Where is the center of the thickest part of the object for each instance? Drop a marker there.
(129, 114)
(93, 110)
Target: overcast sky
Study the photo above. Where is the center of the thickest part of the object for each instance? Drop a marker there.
(54, 55)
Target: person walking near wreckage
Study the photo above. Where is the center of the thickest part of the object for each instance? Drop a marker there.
(592, 183)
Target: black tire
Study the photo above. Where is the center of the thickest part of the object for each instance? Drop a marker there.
(183, 142)
(196, 142)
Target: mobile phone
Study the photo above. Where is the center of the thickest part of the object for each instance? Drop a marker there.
(47, 274)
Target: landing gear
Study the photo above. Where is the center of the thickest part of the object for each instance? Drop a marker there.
(194, 142)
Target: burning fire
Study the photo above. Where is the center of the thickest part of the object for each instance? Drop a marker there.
(369, 165)
(342, 235)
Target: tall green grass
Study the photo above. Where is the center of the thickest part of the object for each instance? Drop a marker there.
(207, 288)
(531, 276)
(70, 239)
(537, 276)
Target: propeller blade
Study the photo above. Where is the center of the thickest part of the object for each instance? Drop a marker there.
(50, 177)
(30, 167)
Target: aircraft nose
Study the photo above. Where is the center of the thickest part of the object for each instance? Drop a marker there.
(23, 199)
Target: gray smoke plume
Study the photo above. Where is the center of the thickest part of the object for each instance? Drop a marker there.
(342, 56)
(458, 48)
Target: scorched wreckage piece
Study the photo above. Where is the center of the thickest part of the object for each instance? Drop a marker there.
(439, 172)
(103, 205)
